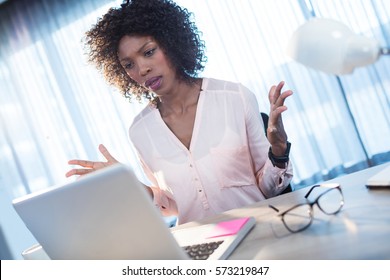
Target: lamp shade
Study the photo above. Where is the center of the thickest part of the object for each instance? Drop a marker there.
(330, 46)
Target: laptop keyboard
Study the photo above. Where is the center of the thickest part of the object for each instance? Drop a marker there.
(202, 251)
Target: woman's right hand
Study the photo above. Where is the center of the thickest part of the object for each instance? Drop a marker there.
(90, 166)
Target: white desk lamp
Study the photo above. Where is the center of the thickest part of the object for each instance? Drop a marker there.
(330, 46)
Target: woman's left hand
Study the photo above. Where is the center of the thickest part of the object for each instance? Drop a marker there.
(275, 133)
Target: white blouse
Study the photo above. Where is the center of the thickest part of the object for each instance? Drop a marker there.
(227, 164)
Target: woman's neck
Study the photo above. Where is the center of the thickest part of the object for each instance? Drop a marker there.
(181, 99)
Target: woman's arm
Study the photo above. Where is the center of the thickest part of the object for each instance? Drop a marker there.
(275, 133)
(271, 179)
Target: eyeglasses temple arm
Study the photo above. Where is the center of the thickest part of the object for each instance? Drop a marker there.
(312, 188)
(273, 207)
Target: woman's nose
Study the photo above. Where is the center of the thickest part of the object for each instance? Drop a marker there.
(144, 69)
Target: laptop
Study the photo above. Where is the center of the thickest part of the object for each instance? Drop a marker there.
(380, 179)
(109, 215)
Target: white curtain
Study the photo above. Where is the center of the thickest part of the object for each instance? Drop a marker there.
(337, 125)
(55, 107)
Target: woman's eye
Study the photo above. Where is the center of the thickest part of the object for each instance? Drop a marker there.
(128, 65)
(150, 52)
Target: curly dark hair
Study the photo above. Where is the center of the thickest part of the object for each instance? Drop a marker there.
(169, 24)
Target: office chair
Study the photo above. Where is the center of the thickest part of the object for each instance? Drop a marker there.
(265, 118)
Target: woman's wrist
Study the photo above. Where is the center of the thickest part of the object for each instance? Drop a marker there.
(280, 159)
(279, 150)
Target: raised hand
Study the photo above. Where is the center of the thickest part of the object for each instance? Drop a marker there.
(275, 133)
(90, 166)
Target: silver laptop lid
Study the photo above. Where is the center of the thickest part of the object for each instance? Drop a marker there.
(104, 215)
(381, 179)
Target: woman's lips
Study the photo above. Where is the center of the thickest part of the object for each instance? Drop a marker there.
(154, 83)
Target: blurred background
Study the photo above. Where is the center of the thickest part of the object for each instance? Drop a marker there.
(55, 107)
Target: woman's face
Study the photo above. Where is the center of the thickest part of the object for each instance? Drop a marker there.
(146, 63)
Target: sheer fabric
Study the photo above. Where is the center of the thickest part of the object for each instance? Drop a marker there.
(55, 107)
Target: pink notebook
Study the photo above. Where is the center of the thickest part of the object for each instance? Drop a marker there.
(227, 228)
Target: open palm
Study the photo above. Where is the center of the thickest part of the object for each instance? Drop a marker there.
(91, 166)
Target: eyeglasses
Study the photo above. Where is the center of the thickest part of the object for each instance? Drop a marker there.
(300, 216)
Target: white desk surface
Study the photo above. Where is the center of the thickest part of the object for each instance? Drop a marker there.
(360, 231)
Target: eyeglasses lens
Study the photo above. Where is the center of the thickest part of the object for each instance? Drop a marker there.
(331, 201)
(298, 218)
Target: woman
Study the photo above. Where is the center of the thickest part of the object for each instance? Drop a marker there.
(200, 141)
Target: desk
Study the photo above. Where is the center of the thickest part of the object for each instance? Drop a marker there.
(360, 231)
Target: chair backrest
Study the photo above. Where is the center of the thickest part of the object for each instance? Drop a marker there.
(265, 118)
